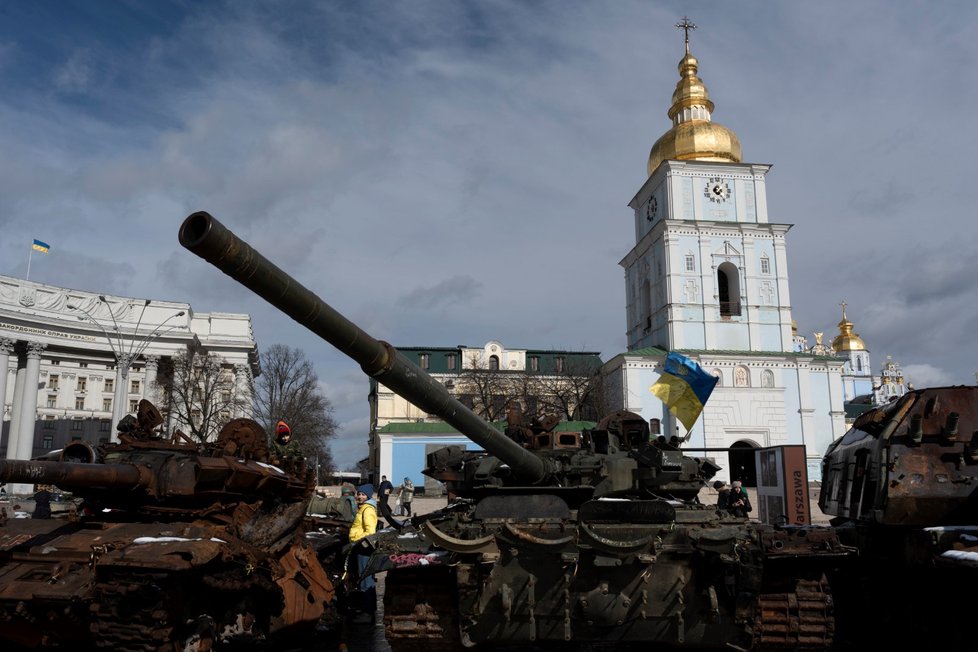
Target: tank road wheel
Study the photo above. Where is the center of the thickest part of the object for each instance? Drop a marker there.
(421, 610)
(802, 619)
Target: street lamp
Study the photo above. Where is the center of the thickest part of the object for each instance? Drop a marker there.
(124, 357)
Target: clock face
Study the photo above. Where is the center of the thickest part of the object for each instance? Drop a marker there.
(651, 209)
(717, 190)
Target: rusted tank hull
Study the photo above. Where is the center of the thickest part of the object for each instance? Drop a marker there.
(142, 586)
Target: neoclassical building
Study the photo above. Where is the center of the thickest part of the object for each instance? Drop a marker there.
(72, 362)
(708, 276)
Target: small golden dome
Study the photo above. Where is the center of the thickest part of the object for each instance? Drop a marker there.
(846, 340)
(693, 135)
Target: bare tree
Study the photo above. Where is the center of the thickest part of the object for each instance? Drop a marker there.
(198, 390)
(570, 391)
(486, 391)
(288, 389)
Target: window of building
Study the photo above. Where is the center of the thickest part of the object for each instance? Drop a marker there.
(109, 385)
(767, 378)
(106, 405)
(82, 384)
(859, 364)
(728, 289)
(133, 405)
(55, 363)
(83, 365)
(49, 423)
(47, 442)
(450, 361)
(52, 401)
(765, 265)
(195, 417)
(79, 402)
(53, 381)
(103, 440)
(719, 376)
(494, 363)
(559, 364)
(690, 263)
(104, 424)
(423, 360)
(134, 387)
(76, 424)
(534, 363)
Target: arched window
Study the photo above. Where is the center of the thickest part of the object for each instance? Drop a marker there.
(767, 378)
(494, 362)
(859, 363)
(765, 265)
(719, 376)
(728, 289)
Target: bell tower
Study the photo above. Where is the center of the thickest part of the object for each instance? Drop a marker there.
(708, 270)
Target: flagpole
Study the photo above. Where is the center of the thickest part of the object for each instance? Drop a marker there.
(29, 256)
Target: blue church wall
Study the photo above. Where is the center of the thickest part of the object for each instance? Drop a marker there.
(792, 405)
(770, 335)
(732, 336)
(821, 400)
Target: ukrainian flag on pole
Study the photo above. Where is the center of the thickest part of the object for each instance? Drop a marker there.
(684, 387)
(40, 246)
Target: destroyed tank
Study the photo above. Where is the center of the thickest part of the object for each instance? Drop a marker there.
(173, 546)
(593, 537)
(902, 485)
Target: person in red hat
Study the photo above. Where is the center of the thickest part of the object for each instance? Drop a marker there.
(284, 448)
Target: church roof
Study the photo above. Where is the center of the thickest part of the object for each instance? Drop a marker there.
(694, 135)
(847, 340)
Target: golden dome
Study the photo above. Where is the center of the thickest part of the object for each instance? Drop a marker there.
(693, 135)
(846, 340)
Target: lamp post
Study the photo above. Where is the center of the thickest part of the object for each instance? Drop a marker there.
(125, 356)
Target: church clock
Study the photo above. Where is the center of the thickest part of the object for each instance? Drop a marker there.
(651, 209)
(717, 190)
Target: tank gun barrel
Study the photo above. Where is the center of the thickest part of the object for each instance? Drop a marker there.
(72, 475)
(202, 234)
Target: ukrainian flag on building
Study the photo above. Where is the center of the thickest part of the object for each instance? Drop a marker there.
(40, 246)
(684, 387)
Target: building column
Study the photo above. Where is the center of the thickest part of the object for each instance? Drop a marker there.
(13, 433)
(6, 348)
(28, 419)
(152, 366)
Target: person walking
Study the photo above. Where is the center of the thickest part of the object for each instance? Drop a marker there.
(739, 500)
(406, 492)
(384, 492)
(364, 524)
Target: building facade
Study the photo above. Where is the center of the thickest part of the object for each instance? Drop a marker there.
(72, 361)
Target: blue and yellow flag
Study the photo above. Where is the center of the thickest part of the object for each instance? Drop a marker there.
(40, 246)
(684, 387)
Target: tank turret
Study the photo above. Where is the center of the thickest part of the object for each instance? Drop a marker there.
(168, 544)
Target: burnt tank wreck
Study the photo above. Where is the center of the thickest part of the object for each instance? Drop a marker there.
(175, 545)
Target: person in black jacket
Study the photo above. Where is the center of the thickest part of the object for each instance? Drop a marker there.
(739, 500)
(42, 503)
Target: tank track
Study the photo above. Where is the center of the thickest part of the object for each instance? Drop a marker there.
(131, 615)
(802, 619)
(421, 612)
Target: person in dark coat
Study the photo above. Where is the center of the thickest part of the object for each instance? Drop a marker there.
(723, 494)
(739, 500)
(42, 503)
(385, 489)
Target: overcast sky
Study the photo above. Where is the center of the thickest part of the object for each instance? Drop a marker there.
(452, 172)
